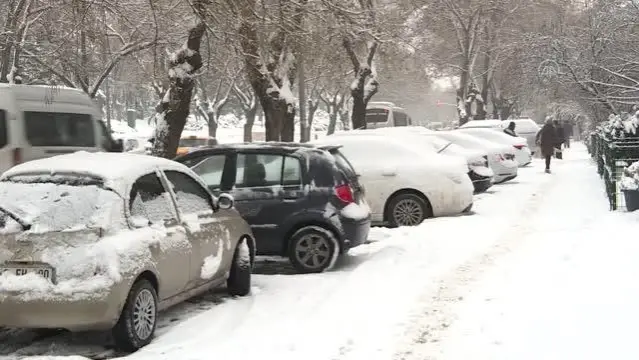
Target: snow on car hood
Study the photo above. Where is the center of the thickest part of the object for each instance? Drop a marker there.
(86, 266)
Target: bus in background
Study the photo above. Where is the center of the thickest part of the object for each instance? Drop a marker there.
(380, 114)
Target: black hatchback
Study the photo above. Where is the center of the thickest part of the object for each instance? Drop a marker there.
(302, 201)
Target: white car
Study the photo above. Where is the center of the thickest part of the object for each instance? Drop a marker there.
(501, 158)
(523, 155)
(479, 171)
(405, 185)
(525, 128)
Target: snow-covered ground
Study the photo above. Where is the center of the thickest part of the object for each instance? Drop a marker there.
(541, 270)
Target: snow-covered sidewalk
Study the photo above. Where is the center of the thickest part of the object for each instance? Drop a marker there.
(564, 287)
(379, 297)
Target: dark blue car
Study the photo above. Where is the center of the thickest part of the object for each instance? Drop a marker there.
(302, 201)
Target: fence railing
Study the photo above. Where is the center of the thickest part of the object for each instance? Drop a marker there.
(612, 156)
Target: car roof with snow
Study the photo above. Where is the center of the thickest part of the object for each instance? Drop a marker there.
(482, 124)
(116, 170)
(269, 147)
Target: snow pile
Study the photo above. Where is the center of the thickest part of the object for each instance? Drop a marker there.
(356, 211)
(212, 263)
(620, 127)
(630, 178)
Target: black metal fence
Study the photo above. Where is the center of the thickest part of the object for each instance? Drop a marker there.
(612, 156)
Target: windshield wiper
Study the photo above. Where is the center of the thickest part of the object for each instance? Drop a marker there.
(24, 224)
(444, 148)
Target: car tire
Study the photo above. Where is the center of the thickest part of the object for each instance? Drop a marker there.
(313, 249)
(407, 209)
(239, 281)
(142, 300)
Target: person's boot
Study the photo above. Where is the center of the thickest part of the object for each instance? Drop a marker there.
(547, 171)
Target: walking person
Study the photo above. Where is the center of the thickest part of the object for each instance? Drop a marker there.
(561, 139)
(568, 133)
(547, 141)
(510, 130)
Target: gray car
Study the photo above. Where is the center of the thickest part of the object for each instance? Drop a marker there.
(99, 241)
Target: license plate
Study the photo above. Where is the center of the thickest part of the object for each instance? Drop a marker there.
(45, 272)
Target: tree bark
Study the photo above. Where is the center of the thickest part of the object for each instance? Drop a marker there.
(175, 105)
(211, 120)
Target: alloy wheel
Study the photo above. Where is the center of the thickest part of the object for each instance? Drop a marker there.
(408, 212)
(313, 251)
(144, 314)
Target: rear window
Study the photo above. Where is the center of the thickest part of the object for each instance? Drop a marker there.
(343, 164)
(3, 128)
(374, 116)
(59, 129)
(400, 118)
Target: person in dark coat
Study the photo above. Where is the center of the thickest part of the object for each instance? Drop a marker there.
(568, 133)
(547, 140)
(510, 130)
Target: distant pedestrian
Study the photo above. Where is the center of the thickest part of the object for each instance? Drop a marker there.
(510, 130)
(561, 139)
(568, 133)
(547, 140)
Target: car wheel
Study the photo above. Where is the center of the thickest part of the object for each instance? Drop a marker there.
(138, 319)
(407, 210)
(313, 249)
(239, 281)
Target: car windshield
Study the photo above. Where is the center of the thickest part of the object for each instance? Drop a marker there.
(54, 203)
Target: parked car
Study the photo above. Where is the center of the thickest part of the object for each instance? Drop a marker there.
(525, 128)
(404, 184)
(97, 241)
(479, 172)
(382, 114)
(39, 121)
(302, 202)
(523, 155)
(501, 158)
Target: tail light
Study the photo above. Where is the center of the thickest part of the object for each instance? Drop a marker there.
(519, 147)
(17, 156)
(345, 193)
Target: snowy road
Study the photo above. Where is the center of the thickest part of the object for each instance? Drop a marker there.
(495, 284)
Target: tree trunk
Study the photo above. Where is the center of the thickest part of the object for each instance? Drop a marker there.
(358, 117)
(332, 120)
(175, 105)
(312, 108)
(288, 127)
(248, 127)
(301, 77)
(211, 118)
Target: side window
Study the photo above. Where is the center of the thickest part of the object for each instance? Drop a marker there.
(59, 129)
(3, 129)
(292, 171)
(258, 170)
(210, 169)
(400, 118)
(150, 200)
(375, 116)
(191, 197)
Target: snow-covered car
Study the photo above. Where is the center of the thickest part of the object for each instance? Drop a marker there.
(479, 172)
(501, 158)
(404, 184)
(523, 155)
(301, 201)
(99, 241)
(525, 128)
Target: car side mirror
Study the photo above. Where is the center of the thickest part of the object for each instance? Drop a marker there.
(225, 202)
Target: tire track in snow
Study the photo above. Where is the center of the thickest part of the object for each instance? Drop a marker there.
(437, 312)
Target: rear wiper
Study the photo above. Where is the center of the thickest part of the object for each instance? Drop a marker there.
(444, 148)
(24, 224)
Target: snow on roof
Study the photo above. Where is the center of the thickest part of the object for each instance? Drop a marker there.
(117, 170)
(482, 123)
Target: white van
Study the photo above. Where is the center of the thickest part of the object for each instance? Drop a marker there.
(386, 114)
(39, 121)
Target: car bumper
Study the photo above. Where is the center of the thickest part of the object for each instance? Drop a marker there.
(480, 183)
(91, 313)
(355, 232)
(505, 170)
(523, 157)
